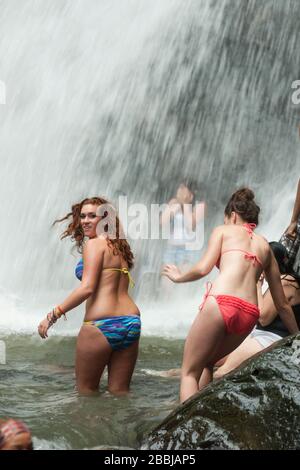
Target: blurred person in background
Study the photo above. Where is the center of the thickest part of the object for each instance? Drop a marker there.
(291, 237)
(182, 216)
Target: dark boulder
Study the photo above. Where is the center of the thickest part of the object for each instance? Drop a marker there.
(255, 407)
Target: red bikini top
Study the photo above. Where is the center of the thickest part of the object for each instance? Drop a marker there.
(251, 256)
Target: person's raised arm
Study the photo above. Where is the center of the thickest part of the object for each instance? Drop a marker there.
(281, 303)
(291, 230)
(204, 266)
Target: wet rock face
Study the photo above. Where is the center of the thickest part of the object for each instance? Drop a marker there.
(255, 407)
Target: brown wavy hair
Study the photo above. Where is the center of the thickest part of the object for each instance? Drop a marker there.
(243, 203)
(119, 246)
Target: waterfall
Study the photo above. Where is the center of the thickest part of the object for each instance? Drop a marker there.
(108, 97)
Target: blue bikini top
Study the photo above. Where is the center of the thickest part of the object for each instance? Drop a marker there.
(79, 270)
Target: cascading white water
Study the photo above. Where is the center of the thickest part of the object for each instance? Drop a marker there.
(109, 96)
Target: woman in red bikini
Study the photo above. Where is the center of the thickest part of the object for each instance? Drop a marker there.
(229, 311)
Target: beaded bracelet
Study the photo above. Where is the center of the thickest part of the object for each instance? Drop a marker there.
(53, 316)
(60, 311)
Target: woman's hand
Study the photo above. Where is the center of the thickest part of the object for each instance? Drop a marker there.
(291, 231)
(43, 328)
(172, 272)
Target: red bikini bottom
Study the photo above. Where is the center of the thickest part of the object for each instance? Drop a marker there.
(240, 316)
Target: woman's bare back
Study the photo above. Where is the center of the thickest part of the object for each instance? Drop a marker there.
(111, 297)
(242, 260)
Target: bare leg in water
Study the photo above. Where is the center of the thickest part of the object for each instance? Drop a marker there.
(247, 349)
(207, 342)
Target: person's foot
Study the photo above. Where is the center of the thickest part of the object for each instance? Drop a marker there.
(14, 435)
(170, 373)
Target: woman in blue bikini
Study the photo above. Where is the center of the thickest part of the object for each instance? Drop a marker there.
(111, 329)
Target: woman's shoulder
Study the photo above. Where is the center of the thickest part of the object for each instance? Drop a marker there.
(227, 229)
(236, 230)
(219, 230)
(263, 241)
(224, 231)
(95, 244)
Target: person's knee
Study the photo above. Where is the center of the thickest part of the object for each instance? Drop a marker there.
(196, 370)
(219, 373)
(118, 390)
(86, 390)
(194, 374)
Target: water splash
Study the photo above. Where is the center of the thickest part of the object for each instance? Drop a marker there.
(124, 97)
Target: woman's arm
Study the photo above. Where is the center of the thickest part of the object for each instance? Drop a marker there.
(268, 311)
(281, 303)
(205, 265)
(260, 297)
(291, 230)
(93, 254)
